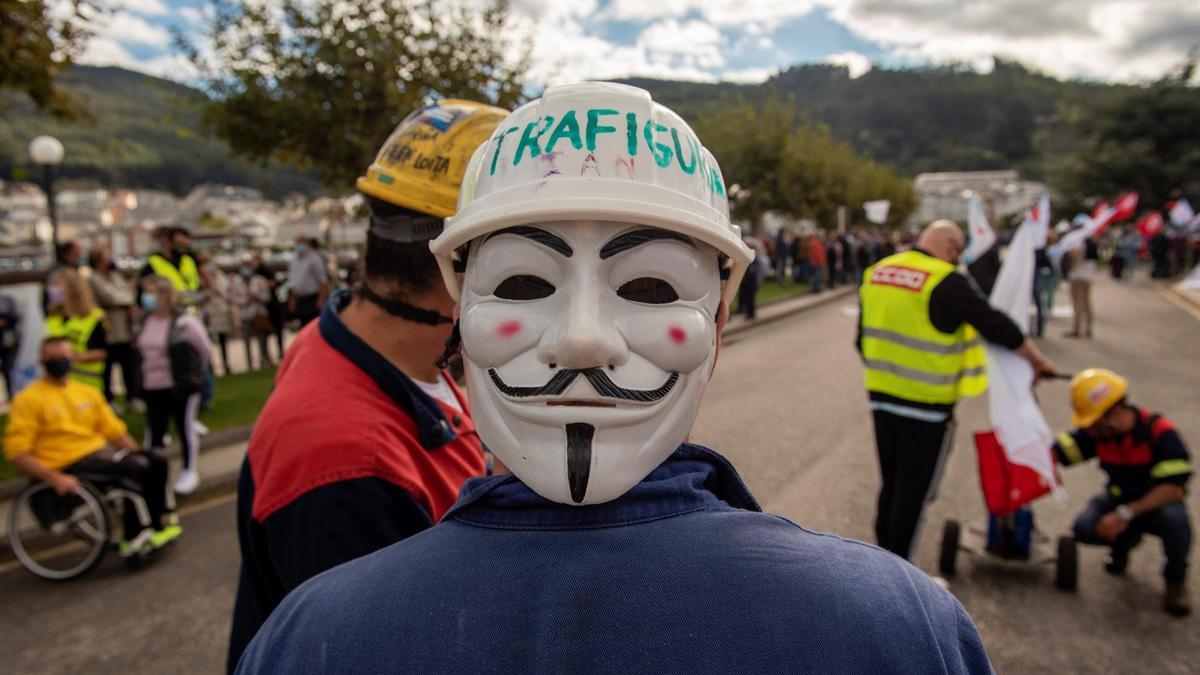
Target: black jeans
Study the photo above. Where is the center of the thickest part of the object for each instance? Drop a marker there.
(145, 469)
(165, 405)
(911, 456)
(747, 292)
(1169, 523)
(307, 308)
(122, 354)
(8, 358)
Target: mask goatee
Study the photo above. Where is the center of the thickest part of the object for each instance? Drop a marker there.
(579, 458)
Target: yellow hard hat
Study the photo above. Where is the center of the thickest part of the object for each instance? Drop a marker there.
(1093, 393)
(421, 165)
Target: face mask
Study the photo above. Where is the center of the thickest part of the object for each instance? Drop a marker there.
(587, 347)
(57, 368)
(149, 302)
(55, 295)
(246, 272)
(301, 249)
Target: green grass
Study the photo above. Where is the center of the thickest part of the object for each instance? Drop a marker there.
(237, 401)
(769, 290)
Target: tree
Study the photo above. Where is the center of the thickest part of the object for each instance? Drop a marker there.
(322, 83)
(36, 44)
(802, 171)
(1147, 140)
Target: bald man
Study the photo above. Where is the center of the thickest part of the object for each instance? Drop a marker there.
(918, 335)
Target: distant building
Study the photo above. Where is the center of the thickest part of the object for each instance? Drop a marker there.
(945, 195)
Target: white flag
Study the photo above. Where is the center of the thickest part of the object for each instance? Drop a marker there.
(877, 211)
(982, 237)
(28, 299)
(1041, 217)
(1181, 213)
(1016, 417)
(1091, 225)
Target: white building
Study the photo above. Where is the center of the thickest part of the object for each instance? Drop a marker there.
(945, 195)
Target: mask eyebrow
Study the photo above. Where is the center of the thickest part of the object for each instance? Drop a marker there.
(547, 239)
(624, 242)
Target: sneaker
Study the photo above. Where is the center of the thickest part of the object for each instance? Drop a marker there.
(1116, 562)
(131, 547)
(165, 536)
(1175, 600)
(187, 482)
(201, 428)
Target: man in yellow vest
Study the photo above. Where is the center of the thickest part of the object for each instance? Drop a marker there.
(919, 336)
(173, 261)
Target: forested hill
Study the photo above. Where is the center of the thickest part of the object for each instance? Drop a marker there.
(928, 119)
(146, 132)
(141, 131)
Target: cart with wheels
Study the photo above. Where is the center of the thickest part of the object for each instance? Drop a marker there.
(1011, 534)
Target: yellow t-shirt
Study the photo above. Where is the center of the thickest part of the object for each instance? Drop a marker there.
(59, 424)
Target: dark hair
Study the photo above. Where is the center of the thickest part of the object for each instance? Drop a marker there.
(393, 268)
(61, 251)
(53, 339)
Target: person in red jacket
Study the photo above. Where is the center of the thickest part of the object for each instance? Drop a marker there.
(366, 440)
(816, 261)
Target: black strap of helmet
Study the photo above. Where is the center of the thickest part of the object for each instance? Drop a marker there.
(403, 310)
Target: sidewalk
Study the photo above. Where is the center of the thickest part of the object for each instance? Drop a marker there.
(222, 453)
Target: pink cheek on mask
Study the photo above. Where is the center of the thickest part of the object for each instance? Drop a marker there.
(508, 329)
(677, 335)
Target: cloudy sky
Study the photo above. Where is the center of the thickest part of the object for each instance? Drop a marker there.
(748, 40)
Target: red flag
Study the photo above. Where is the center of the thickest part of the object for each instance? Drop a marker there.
(1006, 486)
(1100, 208)
(1150, 224)
(1126, 206)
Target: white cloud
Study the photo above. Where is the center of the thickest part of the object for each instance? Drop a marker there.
(1104, 39)
(856, 63)
(132, 30)
(143, 7)
(748, 75)
(191, 15)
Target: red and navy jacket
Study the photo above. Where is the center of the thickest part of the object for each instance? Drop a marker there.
(348, 457)
(1150, 454)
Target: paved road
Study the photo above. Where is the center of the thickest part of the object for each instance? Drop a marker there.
(786, 406)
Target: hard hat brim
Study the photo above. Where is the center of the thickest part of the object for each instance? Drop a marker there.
(615, 201)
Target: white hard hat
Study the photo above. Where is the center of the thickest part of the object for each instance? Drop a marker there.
(594, 151)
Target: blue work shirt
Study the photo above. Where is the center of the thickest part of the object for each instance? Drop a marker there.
(682, 574)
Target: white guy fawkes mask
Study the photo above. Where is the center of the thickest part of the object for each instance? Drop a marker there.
(587, 347)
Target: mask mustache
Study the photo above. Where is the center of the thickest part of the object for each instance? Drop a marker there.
(595, 376)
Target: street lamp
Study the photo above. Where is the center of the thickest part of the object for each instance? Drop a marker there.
(48, 152)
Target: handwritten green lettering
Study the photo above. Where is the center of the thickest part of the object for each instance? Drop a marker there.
(568, 128)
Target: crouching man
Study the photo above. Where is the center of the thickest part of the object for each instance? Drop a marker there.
(1148, 469)
(593, 261)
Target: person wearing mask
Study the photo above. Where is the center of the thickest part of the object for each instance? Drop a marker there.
(919, 337)
(72, 314)
(115, 296)
(58, 428)
(174, 350)
(274, 306)
(1148, 468)
(256, 295)
(219, 312)
(308, 280)
(174, 261)
(366, 439)
(590, 312)
(1083, 267)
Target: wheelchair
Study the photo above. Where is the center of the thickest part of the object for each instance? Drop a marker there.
(63, 537)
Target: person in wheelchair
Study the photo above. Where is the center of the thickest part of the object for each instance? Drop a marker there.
(59, 430)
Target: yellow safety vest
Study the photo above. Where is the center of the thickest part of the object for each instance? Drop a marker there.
(905, 355)
(79, 329)
(185, 278)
